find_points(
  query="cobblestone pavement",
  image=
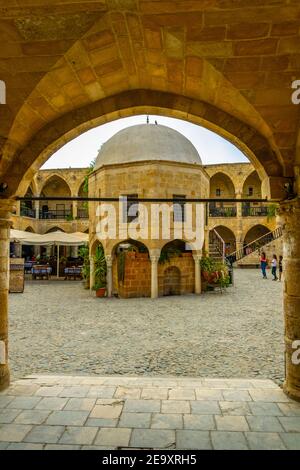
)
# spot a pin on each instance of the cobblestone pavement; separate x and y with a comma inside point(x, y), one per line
point(56, 412)
point(58, 328)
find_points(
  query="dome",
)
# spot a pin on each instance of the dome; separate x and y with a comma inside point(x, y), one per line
point(147, 142)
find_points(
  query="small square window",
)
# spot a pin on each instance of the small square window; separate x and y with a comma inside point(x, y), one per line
point(250, 191)
point(218, 192)
point(179, 208)
point(130, 208)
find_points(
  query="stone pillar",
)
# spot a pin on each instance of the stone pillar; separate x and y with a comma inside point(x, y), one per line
point(290, 217)
point(92, 273)
point(109, 278)
point(206, 241)
point(239, 205)
point(197, 257)
point(74, 251)
point(6, 207)
point(18, 208)
point(37, 209)
point(74, 209)
point(154, 275)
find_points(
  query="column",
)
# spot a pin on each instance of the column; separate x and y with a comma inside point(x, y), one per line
point(239, 208)
point(92, 273)
point(290, 217)
point(74, 209)
point(6, 207)
point(197, 257)
point(154, 275)
point(109, 279)
point(37, 209)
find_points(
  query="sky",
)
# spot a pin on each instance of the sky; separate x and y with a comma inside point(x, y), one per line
point(81, 151)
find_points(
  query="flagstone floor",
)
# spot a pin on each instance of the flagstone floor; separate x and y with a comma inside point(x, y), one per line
point(114, 412)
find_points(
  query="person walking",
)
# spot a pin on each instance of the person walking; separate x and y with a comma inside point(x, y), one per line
point(280, 268)
point(274, 268)
point(263, 264)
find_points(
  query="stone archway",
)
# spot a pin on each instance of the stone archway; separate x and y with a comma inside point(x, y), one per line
point(172, 281)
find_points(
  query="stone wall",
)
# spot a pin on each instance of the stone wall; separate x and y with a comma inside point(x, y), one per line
point(137, 276)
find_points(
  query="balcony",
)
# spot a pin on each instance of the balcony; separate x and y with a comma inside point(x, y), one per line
point(254, 211)
point(65, 214)
point(222, 211)
point(27, 212)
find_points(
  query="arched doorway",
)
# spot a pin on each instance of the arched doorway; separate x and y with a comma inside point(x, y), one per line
point(254, 233)
point(252, 190)
point(51, 209)
point(221, 186)
point(227, 236)
point(172, 281)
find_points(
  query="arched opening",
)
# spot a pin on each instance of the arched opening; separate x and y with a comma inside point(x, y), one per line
point(176, 270)
point(27, 207)
point(254, 233)
point(228, 238)
point(252, 190)
point(53, 209)
point(131, 269)
point(172, 281)
point(221, 186)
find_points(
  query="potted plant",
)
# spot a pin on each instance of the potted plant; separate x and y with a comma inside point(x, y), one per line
point(214, 272)
point(84, 254)
point(100, 272)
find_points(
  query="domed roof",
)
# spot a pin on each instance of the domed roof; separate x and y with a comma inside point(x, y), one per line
point(147, 142)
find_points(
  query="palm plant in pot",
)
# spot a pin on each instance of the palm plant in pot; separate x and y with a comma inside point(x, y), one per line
point(100, 272)
point(84, 254)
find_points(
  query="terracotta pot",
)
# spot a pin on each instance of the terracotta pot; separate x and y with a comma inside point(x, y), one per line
point(101, 292)
point(210, 277)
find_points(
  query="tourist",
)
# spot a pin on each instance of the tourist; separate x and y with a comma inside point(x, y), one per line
point(274, 268)
point(280, 267)
point(263, 264)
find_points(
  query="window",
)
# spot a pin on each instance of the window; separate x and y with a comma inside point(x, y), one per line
point(250, 191)
point(130, 208)
point(179, 208)
point(218, 192)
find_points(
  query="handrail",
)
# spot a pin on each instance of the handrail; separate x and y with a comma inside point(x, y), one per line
point(258, 243)
point(221, 242)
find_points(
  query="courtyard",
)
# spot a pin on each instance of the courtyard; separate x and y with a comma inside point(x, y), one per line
point(57, 327)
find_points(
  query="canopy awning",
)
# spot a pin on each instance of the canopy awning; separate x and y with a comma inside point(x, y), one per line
point(48, 239)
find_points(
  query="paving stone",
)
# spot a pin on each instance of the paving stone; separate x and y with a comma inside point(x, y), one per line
point(195, 440)
point(80, 404)
point(24, 446)
point(290, 409)
point(135, 420)
point(264, 409)
point(115, 437)
point(173, 406)
point(68, 418)
point(215, 383)
point(78, 435)
point(155, 393)
point(204, 407)
point(128, 392)
point(101, 392)
point(241, 384)
point(14, 432)
point(226, 440)
point(24, 390)
point(24, 403)
point(264, 441)
point(107, 409)
point(199, 422)
point(7, 416)
point(208, 394)
point(51, 403)
point(291, 440)
point(166, 421)
point(264, 423)
point(62, 447)
point(102, 422)
point(143, 406)
point(5, 400)
point(231, 423)
point(264, 383)
point(237, 408)
point(97, 448)
point(3, 445)
point(152, 438)
point(291, 423)
point(182, 394)
point(32, 417)
point(49, 391)
point(236, 395)
point(269, 396)
point(77, 391)
point(47, 434)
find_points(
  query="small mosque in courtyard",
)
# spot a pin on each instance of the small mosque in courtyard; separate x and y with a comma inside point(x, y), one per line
point(147, 251)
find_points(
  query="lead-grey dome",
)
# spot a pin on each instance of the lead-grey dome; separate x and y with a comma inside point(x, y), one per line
point(147, 142)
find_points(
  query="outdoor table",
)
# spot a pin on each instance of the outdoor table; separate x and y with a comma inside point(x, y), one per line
point(41, 271)
point(73, 272)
